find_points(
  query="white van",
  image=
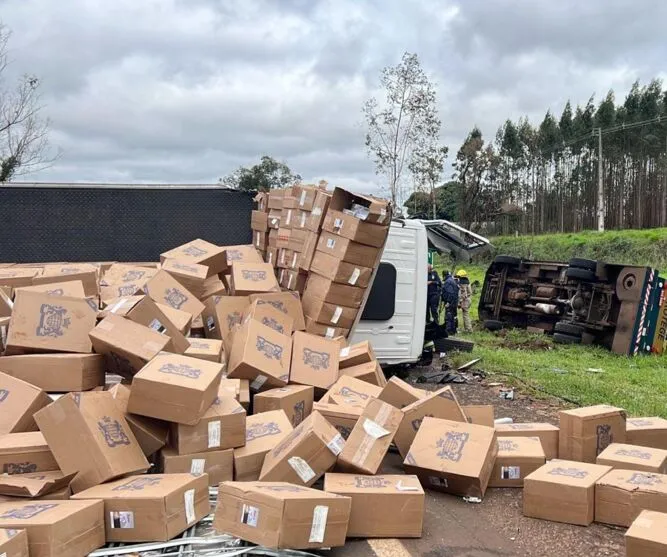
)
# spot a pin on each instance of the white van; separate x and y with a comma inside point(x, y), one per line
point(394, 317)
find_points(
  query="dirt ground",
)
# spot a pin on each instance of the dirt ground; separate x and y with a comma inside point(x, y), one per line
point(496, 527)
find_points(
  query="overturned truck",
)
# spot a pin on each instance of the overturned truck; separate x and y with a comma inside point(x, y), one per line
point(620, 307)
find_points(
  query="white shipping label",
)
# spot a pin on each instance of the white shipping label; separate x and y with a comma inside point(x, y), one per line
point(330, 332)
point(401, 487)
point(258, 382)
point(197, 466)
point(120, 519)
point(282, 256)
point(274, 221)
point(301, 467)
point(510, 472)
point(189, 500)
point(303, 219)
point(257, 243)
point(302, 199)
point(118, 305)
point(270, 258)
point(3, 555)
point(375, 430)
point(338, 223)
point(383, 212)
point(345, 352)
point(331, 243)
point(294, 259)
point(336, 315)
point(157, 326)
point(337, 444)
point(438, 482)
point(354, 277)
point(250, 515)
point(320, 513)
point(289, 217)
point(317, 211)
point(214, 429)
point(289, 282)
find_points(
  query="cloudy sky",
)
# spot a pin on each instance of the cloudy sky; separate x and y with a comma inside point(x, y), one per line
point(188, 90)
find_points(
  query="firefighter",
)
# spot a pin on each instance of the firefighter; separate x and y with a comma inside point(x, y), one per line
point(465, 298)
point(433, 295)
point(450, 299)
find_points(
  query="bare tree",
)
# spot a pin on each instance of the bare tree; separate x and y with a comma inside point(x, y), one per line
point(24, 145)
point(427, 165)
point(407, 117)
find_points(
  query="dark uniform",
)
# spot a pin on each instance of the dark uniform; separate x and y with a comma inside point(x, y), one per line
point(433, 297)
point(450, 297)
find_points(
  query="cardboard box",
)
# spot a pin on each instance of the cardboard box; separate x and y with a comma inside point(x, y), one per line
point(262, 433)
point(153, 508)
point(300, 220)
point(127, 346)
point(356, 354)
point(205, 349)
point(239, 389)
point(57, 528)
point(295, 400)
point(285, 302)
point(119, 306)
point(200, 252)
point(259, 220)
point(191, 275)
point(547, 433)
point(438, 404)
point(147, 313)
point(621, 495)
point(217, 465)
point(284, 233)
point(35, 486)
point(262, 200)
point(221, 315)
point(346, 250)
point(338, 294)
point(366, 208)
point(71, 289)
point(398, 393)
point(17, 277)
point(260, 355)
point(320, 206)
point(305, 196)
point(352, 228)
point(213, 286)
point(308, 251)
point(260, 240)
point(349, 391)
point(280, 515)
point(517, 458)
point(245, 254)
point(328, 314)
point(647, 432)
point(563, 491)
point(175, 388)
point(370, 372)
point(252, 278)
point(18, 402)
point(165, 289)
point(221, 427)
point(342, 417)
point(370, 439)
point(85, 272)
point(276, 199)
point(314, 360)
point(271, 256)
point(480, 414)
point(586, 432)
point(43, 323)
point(67, 372)
point(453, 457)
point(88, 434)
point(633, 457)
point(6, 304)
point(270, 316)
point(303, 456)
point(151, 434)
point(286, 217)
point(326, 331)
point(297, 242)
point(121, 281)
point(274, 218)
point(647, 537)
point(13, 543)
point(293, 280)
point(23, 453)
point(375, 502)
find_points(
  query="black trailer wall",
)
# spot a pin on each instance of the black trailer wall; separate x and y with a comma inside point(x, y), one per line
point(109, 223)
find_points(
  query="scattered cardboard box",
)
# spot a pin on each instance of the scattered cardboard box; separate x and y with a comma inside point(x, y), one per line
point(181, 319)
point(18, 402)
point(296, 401)
point(175, 388)
point(633, 457)
point(305, 196)
point(23, 453)
point(200, 252)
point(370, 372)
point(365, 208)
point(217, 465)
point(647, 432)
point(262, 433)
point(221, 315)
point(147, 313)
point(85, 273)
point(647, 537)
point(517, 458)
point(67, 372)
point(87, 433)
point(356, 354)
point(342, 417)
point(438, 404)
point(71, 289)
point(353, 228)
point(322, 330)
point(320, 206)
point(328, 314)
point(13, 543)
point(349, 391)
point(387, 506)
point(453, 457)
point(213, 286)
point(369, 441)
point(43, 323)
point(314, 360)
point(339, 294)
point(252, 278)
point(398, 393)
point(165, 289)
point(238, 389)
point(57, 528)
point(205, 349)
point(270, 316)
point(586, 432)
point(547, 433)
point(346, 250)
point(150, 508)
point(119, 306)
point(303, 456)
point(340, 271)
point(35, 485)
point(563, 491)
point(285, 302)
point(191, 275)
point(281, 515)
point(482, 414)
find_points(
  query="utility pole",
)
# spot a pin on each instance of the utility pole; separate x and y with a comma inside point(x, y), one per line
point(600, 183)
point(433, 199)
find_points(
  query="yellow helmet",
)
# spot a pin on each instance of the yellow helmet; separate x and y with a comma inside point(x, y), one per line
point(461, 273)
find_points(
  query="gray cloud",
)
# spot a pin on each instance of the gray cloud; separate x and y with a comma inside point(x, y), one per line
point(185, 91)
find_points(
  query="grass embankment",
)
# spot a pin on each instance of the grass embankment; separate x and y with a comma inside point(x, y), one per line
point(581, 374)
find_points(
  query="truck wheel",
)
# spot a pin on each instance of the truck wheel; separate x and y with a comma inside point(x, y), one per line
point(580, 263)
point(580, 274)
point(507, 260)
point(560, 338)
point(571, 329)
point(449, 344)
point(493, 325)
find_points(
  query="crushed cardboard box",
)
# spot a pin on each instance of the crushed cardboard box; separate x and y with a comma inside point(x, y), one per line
point(35, 485)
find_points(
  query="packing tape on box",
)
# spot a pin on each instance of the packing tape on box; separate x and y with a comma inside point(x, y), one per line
point(294, 260)
point(317, 211)
point(354, 277)
point(197, 466)
point(336, 315)
point(374, 430)
point(189, 502)
point(303, 219)
point(214, 434)
point(345, 352)
point(337, 444)
point(319, 526)
point(302, 468)
point(331, 332)
point(289, 217)
point(302, 199)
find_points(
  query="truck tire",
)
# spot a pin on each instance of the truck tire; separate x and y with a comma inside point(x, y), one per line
point(560, 338)
point(570, 329)
point(580, 263)
point(493, 325)
point(580, 274)
point(507, 260)
point(449, 344)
